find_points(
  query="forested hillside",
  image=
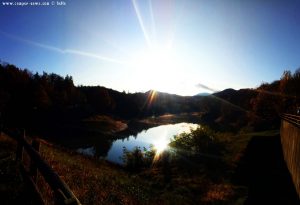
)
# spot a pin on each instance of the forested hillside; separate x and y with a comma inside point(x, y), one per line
point(28, 100)
point(264, 104)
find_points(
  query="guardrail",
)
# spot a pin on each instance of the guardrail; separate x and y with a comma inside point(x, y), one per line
point(290, 141)
point(62, 193)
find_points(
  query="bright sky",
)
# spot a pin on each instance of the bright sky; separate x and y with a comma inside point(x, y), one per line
point(179, 47)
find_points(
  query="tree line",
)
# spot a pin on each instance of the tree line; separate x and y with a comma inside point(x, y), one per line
point(27, 99)
point(261, 107)
point(31, 99)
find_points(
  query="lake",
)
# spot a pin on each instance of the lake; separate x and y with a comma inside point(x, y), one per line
point(158, 136)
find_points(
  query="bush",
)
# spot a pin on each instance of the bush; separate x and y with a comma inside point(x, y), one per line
point(200, 141)
point(137, 159)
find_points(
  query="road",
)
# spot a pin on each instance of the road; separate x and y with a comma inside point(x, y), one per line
point(264, 172)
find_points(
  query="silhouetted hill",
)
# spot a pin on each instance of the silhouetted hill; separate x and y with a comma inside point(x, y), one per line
point(28, 99)
point(33, 100)
point(241, 98)
point(226, 92)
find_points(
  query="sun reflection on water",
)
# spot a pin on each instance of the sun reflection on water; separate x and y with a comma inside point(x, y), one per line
point(160, 146)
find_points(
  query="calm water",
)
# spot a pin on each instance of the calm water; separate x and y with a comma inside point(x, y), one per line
point(154, 136)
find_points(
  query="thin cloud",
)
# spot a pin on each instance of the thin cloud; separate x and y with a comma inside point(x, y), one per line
point(92, 55)
point(62, 51)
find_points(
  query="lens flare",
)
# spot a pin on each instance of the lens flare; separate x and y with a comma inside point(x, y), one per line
point(160, 146)
point(150, 98)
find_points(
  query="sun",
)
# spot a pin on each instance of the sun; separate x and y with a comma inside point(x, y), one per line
point(159, 66)
point(157, 58)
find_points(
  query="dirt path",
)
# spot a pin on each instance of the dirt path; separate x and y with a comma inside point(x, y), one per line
point(264, 172)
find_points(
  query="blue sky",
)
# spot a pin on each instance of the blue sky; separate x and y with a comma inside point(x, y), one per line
point(171, 46)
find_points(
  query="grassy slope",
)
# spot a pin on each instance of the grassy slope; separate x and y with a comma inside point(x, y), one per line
point(96, 182)
point(99, 182)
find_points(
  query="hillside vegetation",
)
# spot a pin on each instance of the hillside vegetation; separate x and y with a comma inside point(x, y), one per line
point(35, 100)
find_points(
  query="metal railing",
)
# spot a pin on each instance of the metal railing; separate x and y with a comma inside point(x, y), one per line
point(62, 193)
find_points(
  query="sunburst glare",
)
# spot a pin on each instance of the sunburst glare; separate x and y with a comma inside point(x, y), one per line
point(158, 58)
point(157, 65)
point(160, 146)
point(151, 97)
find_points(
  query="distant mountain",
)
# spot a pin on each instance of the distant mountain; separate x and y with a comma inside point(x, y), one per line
point(203, 94)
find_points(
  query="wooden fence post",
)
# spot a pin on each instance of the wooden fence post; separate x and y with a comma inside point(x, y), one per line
point(33, 167)
point(59, 197)
point(1, 124)
point(19, 155)
point(62, 193)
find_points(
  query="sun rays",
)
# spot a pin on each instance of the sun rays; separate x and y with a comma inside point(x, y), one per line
point(150, 99)
point(160, 56)
point(141, 22)
point(151, 96)
point(148, 58)
point(151, 56)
